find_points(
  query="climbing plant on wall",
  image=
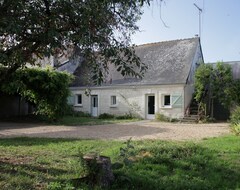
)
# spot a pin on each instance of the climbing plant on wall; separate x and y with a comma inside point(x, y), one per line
point(46, 88)
point(214, 82)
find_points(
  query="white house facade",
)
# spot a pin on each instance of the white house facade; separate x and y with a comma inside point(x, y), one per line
point(166, 88)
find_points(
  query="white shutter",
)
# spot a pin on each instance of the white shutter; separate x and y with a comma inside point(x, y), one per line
point(71, 100)
point(177, 100)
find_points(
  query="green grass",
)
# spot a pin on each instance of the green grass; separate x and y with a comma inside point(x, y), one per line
point(70, 120)
point(40, 163)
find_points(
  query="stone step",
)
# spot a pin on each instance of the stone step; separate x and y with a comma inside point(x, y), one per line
point(190, 119)
point(195, 116)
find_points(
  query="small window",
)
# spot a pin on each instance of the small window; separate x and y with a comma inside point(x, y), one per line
point(113, 101)
point(79, 99)
point(167, 100)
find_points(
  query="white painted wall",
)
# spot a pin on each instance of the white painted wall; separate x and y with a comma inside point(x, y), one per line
point(131, 99)
point(188, 91)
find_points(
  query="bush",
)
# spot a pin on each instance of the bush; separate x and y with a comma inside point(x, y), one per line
point(236, 129)
point(125, 116)
point(235, 120)
point(69, 111)
point(235, 116)
point(106, 116)
point(206, 119)
point(161, 117)
point(46, 88)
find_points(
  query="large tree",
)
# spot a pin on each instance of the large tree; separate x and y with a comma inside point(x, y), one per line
point(214, 83)
point(33, 29)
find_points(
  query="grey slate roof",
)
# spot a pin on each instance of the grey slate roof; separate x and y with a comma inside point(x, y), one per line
point(70, 66)
point(235, 68)
point(168, 62)
point(235, 65)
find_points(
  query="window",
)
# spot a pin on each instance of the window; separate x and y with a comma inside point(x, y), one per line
point(113, 101)
point(78, 99)
point(166, 100)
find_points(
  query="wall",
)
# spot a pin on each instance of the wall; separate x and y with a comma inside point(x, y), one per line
point(13, 106)
point(132, 99)
point(188, 91)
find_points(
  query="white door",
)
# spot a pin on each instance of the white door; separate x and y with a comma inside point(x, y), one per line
point(150, 99)
point(94, 105)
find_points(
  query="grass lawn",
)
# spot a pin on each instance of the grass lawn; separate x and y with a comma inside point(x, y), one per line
point(70, 120)
point(39, 163)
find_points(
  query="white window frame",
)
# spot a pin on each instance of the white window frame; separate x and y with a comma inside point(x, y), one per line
point(163, 101)
point(112, 101)
point(77, 98)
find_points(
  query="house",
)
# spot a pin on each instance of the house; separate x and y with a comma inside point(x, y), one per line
point(166, 88)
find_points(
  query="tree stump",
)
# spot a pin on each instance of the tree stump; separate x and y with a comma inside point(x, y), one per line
point(100, 170)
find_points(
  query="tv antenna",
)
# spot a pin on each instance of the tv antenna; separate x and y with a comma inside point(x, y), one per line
point(200, 11)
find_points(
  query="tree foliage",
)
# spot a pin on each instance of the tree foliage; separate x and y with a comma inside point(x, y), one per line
point(202, 81)
point(46, 88)
point(234, 92)
point(33, 29)
point(214, 82)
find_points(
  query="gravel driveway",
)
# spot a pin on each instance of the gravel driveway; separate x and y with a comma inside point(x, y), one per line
point(137, 130)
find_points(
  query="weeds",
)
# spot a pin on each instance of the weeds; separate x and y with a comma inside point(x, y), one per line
point(38, 163)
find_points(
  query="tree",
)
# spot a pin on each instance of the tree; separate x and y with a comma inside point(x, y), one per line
point(46, 88)
point(33, 29)
point(234, 92)
point(214, 82)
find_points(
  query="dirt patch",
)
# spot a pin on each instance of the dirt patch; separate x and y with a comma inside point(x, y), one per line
point(135, 130)
point(19, 160)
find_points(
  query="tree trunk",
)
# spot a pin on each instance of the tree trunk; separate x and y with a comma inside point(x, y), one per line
point(100, 171)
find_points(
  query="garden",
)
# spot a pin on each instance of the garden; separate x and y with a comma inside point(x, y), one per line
point(40, 163)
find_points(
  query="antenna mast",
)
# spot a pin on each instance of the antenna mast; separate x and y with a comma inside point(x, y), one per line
point(200, 11)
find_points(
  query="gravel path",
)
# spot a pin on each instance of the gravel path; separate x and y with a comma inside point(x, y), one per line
point(137, 130)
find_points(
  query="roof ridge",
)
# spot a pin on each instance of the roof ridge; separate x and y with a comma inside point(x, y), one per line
point(224, 62)
point(166, 41)
point(231, 61)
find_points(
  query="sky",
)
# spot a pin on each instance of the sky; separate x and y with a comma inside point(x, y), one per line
point(220, 26)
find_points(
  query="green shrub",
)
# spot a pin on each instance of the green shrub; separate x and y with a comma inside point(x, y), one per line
point(69, 111)
point(236, 129)
point(54, 186)
point(81, 114)
point(235, 116)
point(206, 119)
point(47, 89)
point(235, 120)
point(161, 117)
point(106, 116)
point(125, 116)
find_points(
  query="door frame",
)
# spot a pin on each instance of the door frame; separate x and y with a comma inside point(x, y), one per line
point(147, 115)
point(94, 110)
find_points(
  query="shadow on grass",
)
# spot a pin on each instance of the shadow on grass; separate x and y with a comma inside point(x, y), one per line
point(156, 165)
point(179, 167)
point(30, 141)
point(27, 176)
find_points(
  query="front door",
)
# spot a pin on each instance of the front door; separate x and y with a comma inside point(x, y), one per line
point(94, 105)
point(150, 107)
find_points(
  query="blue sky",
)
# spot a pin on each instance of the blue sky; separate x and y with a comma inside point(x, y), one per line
point(220, 26)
